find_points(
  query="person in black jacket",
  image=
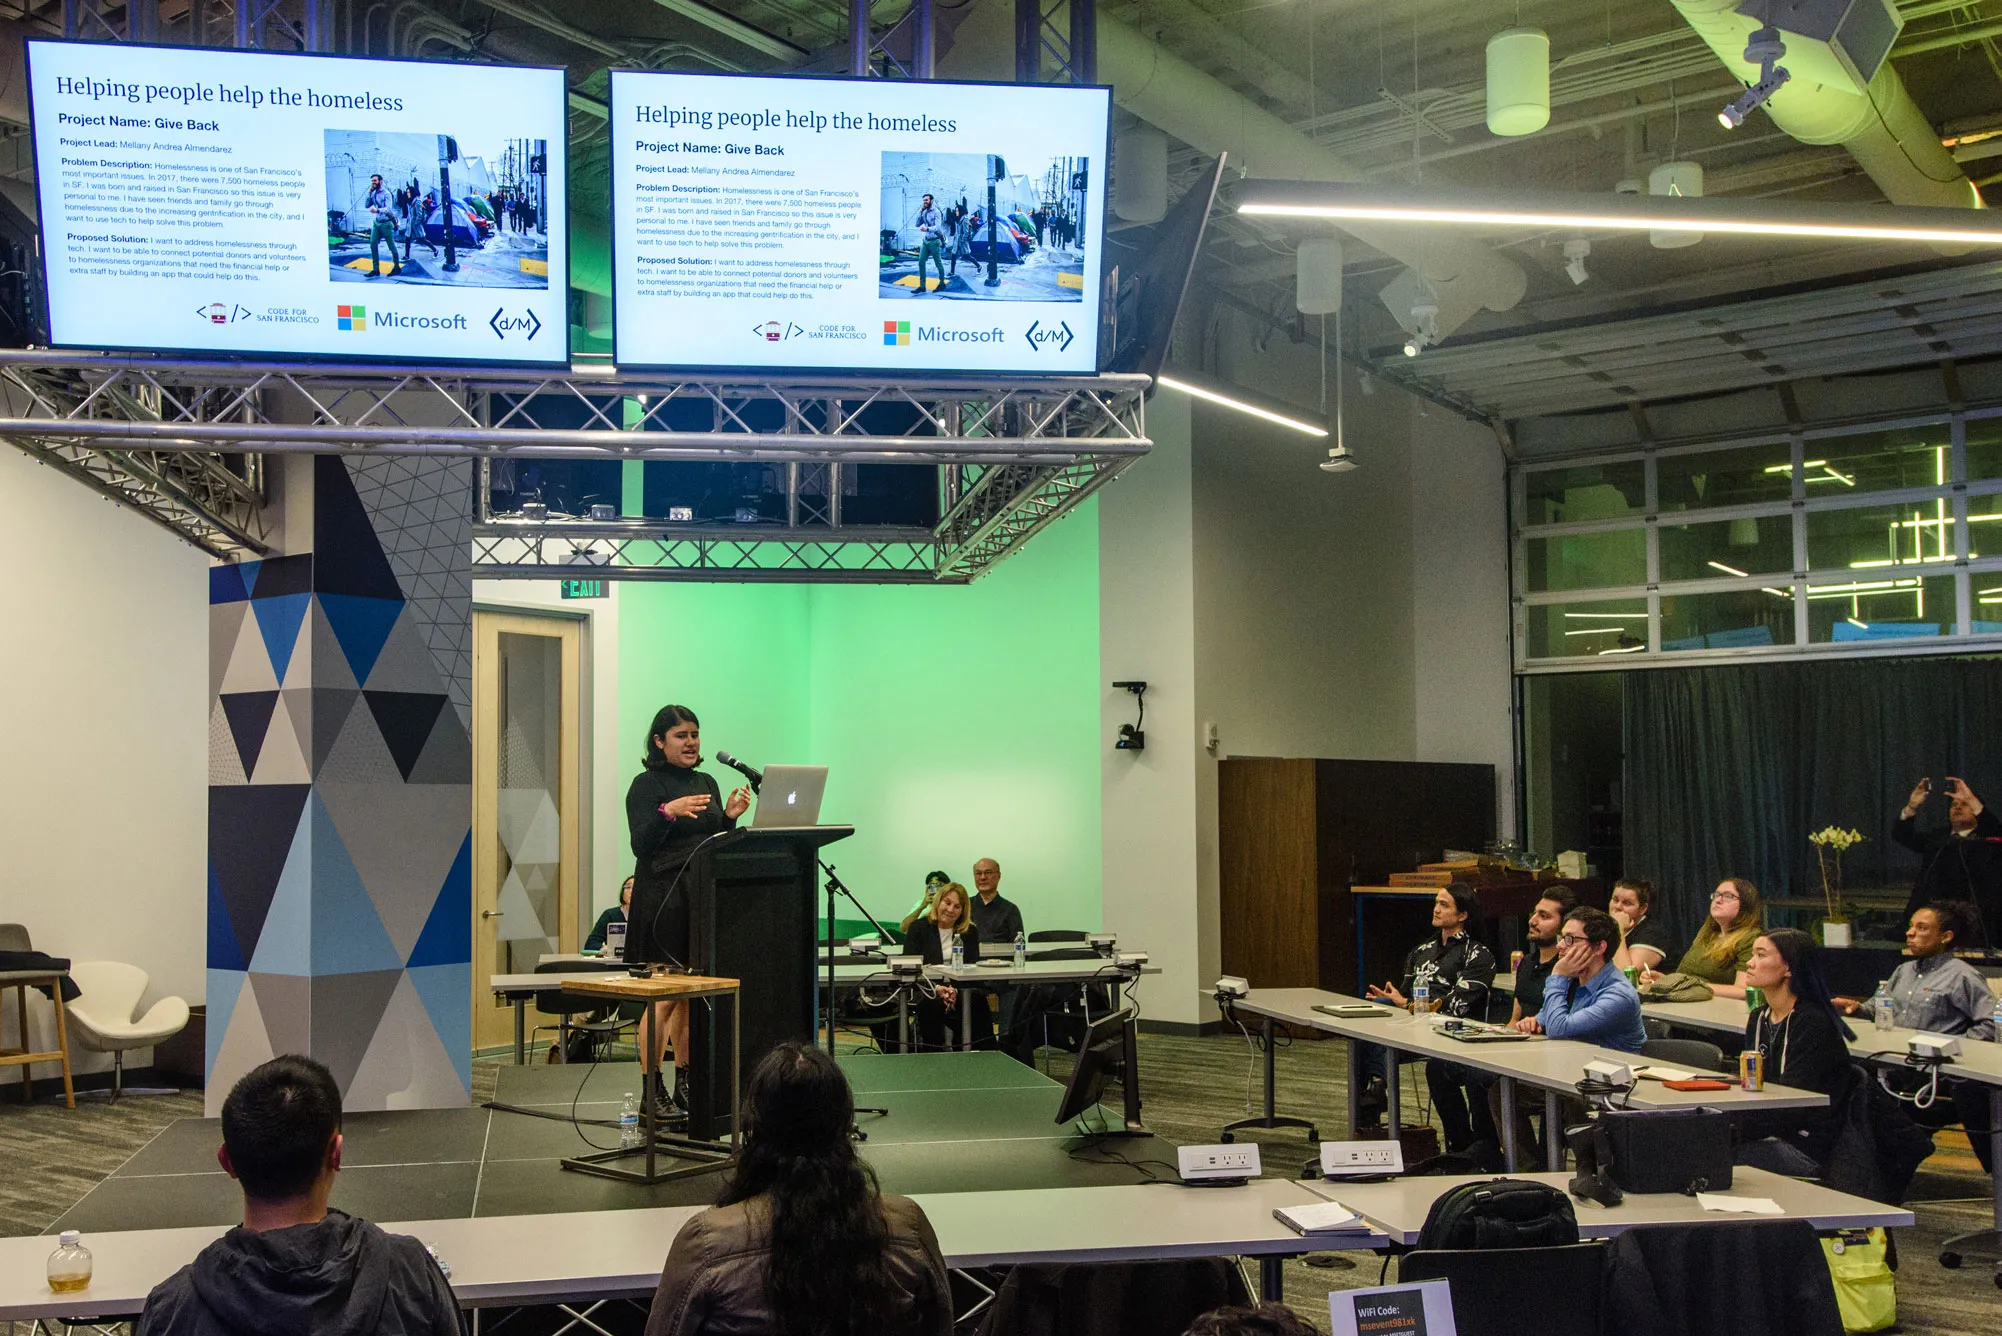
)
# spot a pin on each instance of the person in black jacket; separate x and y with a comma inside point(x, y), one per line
point(1963, 861)
point(294, 1265)
point(672, 810)
point(931, 937)
point(1804, 1042)
point(1457, 970)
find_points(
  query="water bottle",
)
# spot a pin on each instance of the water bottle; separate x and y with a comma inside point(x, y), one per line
point(1421, 998)
point(69, 1264)
point(629, 1124)
point(1021, 950)
point(958, 951)
point(1996, 1017)
point(1881, 1013)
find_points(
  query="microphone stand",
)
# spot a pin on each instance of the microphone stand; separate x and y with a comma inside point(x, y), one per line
point(836, 886)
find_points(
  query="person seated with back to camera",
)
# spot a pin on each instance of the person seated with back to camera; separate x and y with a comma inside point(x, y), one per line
point(1588, 997)
point(1801, 1038)
point(1644, 941)
point(1939, 993)
point(932, 938)
point(295, 1265)
point(1723, 946)
point(1263, 1319)
point(802, 1241)
point(1457, 972)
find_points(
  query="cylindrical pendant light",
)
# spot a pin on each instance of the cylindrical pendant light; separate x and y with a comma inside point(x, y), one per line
point(1675, 178)
point(1140, 175)
point(1518, 81)
point(1318, 276)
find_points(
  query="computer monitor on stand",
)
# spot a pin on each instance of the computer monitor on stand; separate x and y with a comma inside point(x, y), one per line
point(1110, 1051)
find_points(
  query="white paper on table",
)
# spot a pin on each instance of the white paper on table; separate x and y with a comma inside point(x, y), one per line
point(1717, 1201)
point(1664, 1073)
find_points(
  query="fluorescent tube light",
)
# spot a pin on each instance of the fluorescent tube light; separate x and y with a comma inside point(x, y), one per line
point(1728, 570)
point(1630, 213)
point(1227, 400)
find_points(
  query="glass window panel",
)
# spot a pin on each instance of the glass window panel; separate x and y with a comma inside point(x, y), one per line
point(1985, 596)
point(1891, 607)
point(1744, 546)
point(1725, 477)
point(1585, 492)
point(1587, 560)
point(1879, 537)
point(1879, 461)
point(1733, 619)
point(1984, 526)
point(1984, 448)
point(1612, 626)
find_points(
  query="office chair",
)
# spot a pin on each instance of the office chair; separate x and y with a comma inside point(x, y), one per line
point(1697, 1053)
point(1477, 1275)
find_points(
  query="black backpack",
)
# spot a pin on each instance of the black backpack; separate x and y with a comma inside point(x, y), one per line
point(1500, 1213)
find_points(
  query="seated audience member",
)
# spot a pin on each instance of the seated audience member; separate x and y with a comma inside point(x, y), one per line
point(1644, 942)
point(1531, 976)
point(294, 1265)
point(934, 882)
point(802, 1242)
point(1588, 998)
point(1457, 972)
point(1959, 861)
point(616, 914)
point(1802, 1039)
point(1939, 993)
point(1265, 1319)
point(931, 937)
point(1723, 945)
point(1000, 922)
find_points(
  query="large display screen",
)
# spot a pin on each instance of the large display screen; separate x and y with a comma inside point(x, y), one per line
point(856, 224)
point(204, 201)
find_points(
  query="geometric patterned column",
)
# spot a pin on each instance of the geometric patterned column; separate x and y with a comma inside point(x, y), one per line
point(340, 789)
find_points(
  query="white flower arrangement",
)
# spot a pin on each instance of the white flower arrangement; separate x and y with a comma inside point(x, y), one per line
point(1830, 843)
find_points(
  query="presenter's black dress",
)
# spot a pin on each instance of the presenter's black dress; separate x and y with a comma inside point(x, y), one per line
point(657, 930)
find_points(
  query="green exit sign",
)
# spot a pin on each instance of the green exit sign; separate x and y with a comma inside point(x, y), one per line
point(585, 589)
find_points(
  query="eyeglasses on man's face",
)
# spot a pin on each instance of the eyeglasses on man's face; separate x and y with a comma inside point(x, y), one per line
point(1570, 939)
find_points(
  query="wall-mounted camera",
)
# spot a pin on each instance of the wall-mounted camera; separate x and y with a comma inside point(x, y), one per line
point(1131, 736)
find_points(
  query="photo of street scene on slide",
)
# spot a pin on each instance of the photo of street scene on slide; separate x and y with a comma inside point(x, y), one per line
point(944, 215)
point(437, 210)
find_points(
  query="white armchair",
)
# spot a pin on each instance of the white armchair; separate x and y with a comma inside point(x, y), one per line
point(101, 1018)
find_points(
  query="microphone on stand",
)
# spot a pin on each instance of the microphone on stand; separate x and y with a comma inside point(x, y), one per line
point(750, 772)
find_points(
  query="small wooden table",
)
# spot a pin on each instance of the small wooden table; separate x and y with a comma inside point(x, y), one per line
point(705, 1156)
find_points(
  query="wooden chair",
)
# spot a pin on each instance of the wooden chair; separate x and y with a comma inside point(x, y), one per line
point(14, 937)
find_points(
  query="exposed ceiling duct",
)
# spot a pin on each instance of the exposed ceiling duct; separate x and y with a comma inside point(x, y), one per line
point(1173, 95)
point(1881, 126)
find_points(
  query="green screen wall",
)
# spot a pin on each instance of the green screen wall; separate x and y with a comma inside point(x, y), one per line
point(956, 721)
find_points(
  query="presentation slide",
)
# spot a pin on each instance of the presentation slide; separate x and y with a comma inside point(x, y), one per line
point(856, 224)
point(207, 201)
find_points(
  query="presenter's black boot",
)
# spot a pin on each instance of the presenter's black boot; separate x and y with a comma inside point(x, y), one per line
point(666, 1113)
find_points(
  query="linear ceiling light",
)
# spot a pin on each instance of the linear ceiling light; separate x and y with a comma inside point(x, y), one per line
point(1226, 395)
point(1631, 213)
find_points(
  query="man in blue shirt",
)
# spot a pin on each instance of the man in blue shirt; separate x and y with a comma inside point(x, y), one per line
point(1588, 998)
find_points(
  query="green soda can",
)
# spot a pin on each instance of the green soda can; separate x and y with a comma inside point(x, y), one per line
point(1754, 998)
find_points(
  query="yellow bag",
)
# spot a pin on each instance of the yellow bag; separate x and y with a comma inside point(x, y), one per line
point(1866, 1289)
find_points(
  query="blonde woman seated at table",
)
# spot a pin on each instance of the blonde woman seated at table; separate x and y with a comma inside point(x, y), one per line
point(803, 1242)
point(1723, 946)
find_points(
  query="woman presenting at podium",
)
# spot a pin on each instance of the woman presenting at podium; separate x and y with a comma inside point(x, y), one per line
point(671, 809)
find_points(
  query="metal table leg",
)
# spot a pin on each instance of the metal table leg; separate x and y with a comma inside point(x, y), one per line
point(1272, 1279)
point(903, 1018)
point(1356, 1077)
point(1553, 1131)
point(965, 1017)
point(1391, 1093)
point(521, 1032)
point(1271, 1117)
point(1510, 1151)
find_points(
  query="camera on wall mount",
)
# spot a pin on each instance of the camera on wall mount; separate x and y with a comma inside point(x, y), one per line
point(1132, 737)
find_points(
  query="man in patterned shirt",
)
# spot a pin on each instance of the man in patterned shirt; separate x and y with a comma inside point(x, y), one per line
point(1457, 972)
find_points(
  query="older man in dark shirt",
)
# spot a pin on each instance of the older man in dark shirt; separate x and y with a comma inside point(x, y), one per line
point(1963, 861)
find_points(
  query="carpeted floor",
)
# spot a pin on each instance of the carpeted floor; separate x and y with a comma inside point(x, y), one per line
point(52, 1157)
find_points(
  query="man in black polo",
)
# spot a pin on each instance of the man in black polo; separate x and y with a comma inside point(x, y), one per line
point(993, 913)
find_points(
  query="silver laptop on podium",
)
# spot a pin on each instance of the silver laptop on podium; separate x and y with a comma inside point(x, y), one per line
point(790, 796)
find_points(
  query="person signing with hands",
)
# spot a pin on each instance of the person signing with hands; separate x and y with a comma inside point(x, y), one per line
point(1962, 861)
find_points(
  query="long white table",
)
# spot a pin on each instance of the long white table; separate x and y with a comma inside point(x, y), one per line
point(1553, 1066)
point(1399, 1207)
point(597, 1255)
point(1980, 1061)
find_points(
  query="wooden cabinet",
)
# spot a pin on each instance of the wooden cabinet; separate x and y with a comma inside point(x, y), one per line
point(1293, 834)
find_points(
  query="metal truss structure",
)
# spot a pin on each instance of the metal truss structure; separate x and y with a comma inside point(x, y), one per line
point(177, 439)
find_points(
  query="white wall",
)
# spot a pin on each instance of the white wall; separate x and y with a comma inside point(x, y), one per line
point(104, 799)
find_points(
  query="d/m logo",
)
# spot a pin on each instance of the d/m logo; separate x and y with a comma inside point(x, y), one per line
point(351, 317)
point(896, 333)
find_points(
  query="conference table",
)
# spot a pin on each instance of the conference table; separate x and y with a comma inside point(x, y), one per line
point(1979, 1061)
point(1553, 1066)
point(589, 1257)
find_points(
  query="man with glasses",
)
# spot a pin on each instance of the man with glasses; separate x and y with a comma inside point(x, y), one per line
point(1588, 998)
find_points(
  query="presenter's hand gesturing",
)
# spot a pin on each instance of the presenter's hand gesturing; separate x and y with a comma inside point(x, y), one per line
point(738, 803)
point(693, 804)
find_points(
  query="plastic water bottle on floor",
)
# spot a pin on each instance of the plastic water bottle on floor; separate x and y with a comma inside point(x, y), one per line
point(958, 951)
point(629, 1124)
point(1880, 1007)
point(1021, 950)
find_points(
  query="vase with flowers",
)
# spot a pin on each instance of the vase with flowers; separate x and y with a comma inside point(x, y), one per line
point(1830, 843)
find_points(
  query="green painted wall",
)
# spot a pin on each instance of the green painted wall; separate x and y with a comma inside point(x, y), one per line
point(955, 722)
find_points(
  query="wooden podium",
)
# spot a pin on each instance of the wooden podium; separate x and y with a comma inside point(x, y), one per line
point(753, 916)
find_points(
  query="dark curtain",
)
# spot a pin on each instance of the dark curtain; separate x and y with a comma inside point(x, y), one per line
point(1728, 769)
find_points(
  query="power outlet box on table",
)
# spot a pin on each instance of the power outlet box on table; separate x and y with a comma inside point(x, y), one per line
point(1211, 1164)
point(1349, 1159)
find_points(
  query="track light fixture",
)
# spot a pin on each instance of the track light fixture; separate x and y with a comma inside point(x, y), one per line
point(1764, 49)
point(1339, 460)
point(1424, 328)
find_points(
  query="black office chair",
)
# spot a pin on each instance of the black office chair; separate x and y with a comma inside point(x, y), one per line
point(1697, 1053)
point(1059, 935)
point(1060, 1010)
point(564, 1007)
point(1477, 1275)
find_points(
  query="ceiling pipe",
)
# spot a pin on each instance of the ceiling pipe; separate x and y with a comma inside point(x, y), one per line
point(1882, 127)
point(1173, 95)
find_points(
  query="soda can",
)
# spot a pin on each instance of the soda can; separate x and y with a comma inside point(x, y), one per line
point(1754, 998)
point(1633, 974)
point(1752, 1070)
point(1514, 961)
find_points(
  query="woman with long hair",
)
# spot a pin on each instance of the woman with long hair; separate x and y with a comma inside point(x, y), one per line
point(951, 916)
point(1723, 945)
point(1801, 1037)
point(672, 810)
point(802, 1242)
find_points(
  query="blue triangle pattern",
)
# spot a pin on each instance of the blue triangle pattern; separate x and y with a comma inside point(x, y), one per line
point(226, 584)
point(447, 938)
point(250, 569)
point(278, 620)
point(225, 952)
point(224, 987)
point(286, 944)
point(348, 936)
point(361, 625)
point(443, 989)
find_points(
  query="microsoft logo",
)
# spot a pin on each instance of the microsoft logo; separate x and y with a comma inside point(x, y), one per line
point(896, 333)
point(351, 317)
